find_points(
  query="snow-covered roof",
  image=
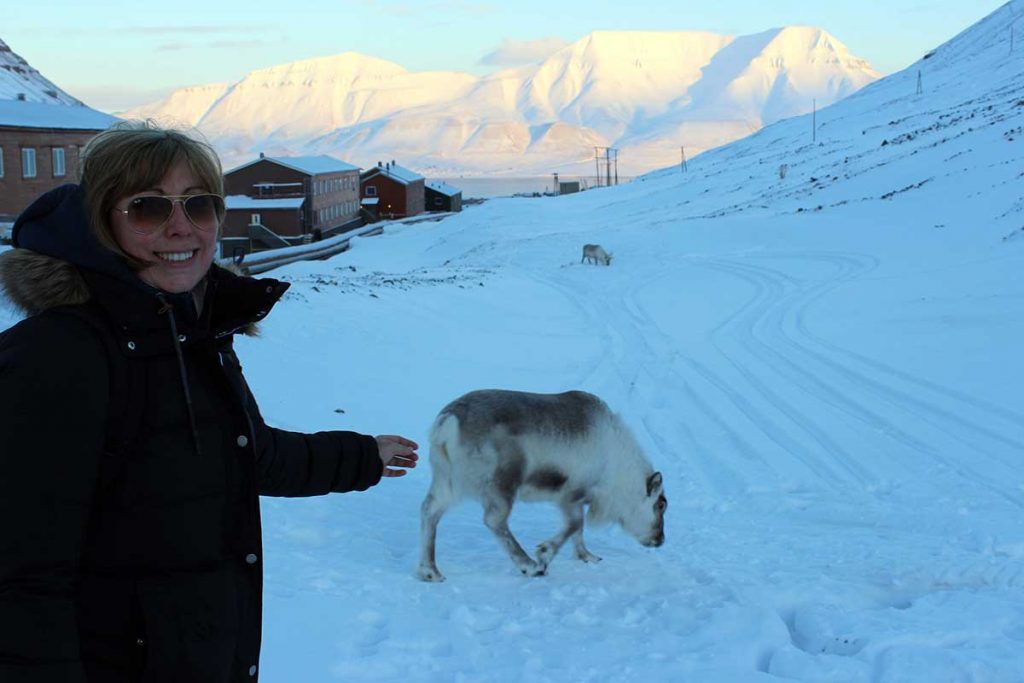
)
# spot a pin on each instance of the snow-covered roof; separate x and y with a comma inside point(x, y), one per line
point(444, 188)
point(63, 116)
point(370, 201)
point(313, 165)
point(393, 170)
point(242, 202)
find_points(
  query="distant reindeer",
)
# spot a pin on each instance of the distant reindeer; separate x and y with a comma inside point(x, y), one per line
point(499, 446)
point(593, 253)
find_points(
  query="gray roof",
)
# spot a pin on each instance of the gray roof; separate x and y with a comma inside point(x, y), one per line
point(241, 201)
point(315, 165)
point(399, 173)
point(60, 116)
point(444, 188)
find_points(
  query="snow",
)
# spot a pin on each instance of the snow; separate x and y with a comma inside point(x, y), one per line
point(312, 165)
point(826, 368)
point(39, 115)
point(644, 92)
point(243, 202)
point(18, 79)
point(29, 100)
point(444, 188)
point(400, 173)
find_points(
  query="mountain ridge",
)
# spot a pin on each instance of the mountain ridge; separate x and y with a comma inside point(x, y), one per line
point(645, 92)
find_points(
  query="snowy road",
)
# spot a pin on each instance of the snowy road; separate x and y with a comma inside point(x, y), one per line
point(844, 504)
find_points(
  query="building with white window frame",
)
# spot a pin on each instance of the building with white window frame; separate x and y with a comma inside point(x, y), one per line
point(39, 145)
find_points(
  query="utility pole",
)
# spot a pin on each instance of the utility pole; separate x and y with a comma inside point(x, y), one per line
point(920, 84)
point(604, 159)
point(682, 164)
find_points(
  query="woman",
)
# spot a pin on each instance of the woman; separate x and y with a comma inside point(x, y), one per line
point(133, 452)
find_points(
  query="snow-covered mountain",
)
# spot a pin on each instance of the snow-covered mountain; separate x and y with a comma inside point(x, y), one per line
point(20, 81)
point(27, 98)
point(645, 93)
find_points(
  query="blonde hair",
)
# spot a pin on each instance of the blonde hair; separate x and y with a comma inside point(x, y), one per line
point(132, 156)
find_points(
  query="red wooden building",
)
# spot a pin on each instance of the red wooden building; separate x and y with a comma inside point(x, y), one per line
point(39, 146)
point(399, 192)
point(279, 201)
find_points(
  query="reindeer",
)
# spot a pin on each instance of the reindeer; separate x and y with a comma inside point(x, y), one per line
point(593, 253)
point(499, 446)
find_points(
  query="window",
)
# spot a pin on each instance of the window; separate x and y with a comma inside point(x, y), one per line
point(28, 162)
point(58, 162)
point(371, 191)
point(1, 162)
point(255, 219)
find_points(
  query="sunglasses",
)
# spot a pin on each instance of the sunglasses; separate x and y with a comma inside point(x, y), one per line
point(148, 213)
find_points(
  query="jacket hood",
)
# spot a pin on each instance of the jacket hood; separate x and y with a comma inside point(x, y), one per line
point(52, 240)
point(57, 224)
point(57, 261)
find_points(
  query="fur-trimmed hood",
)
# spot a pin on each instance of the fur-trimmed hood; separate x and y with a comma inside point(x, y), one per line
point(34, 282)
point(57, 261)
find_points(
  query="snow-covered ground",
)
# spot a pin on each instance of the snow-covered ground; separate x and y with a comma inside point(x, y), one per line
point(827, 368)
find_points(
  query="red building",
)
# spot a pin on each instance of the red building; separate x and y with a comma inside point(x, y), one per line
point(39, 146)
point(440, 196)
point(280, 201)
point(399, 192)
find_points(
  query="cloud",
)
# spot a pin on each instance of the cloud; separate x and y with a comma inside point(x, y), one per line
point(403, 8)
point(517, 52)
point(129, 31)
point(192, 30)
point(214, 45)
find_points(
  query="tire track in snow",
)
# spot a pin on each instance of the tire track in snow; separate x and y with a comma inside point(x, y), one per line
point(627, 349)
point(938, 417)
point(850, 267)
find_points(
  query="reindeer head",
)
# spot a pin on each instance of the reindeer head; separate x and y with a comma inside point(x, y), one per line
point(645, 520)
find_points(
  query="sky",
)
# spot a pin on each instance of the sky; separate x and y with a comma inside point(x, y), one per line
point(133, 53)
point(825, 368)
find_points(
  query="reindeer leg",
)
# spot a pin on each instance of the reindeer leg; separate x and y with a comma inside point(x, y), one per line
point(496, 512)
point(581, 550)
point(573, 514)
point(434, 506)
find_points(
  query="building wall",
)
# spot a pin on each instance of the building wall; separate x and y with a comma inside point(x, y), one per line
point(17, 192)
point(397, 200)
point(284, 222)
point(438, 201)
point(415, 199)
point(332, 199)
point(335, 200)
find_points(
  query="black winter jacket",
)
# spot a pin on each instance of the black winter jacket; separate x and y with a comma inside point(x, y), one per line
point(139, 561)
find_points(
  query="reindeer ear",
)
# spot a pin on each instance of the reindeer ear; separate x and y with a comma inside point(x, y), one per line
point(654, 483)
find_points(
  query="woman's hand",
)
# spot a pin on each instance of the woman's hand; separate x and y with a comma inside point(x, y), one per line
point(397, 453)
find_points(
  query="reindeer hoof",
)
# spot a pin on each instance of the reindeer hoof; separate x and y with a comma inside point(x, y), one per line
point(533, 569)
point(430, 574)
